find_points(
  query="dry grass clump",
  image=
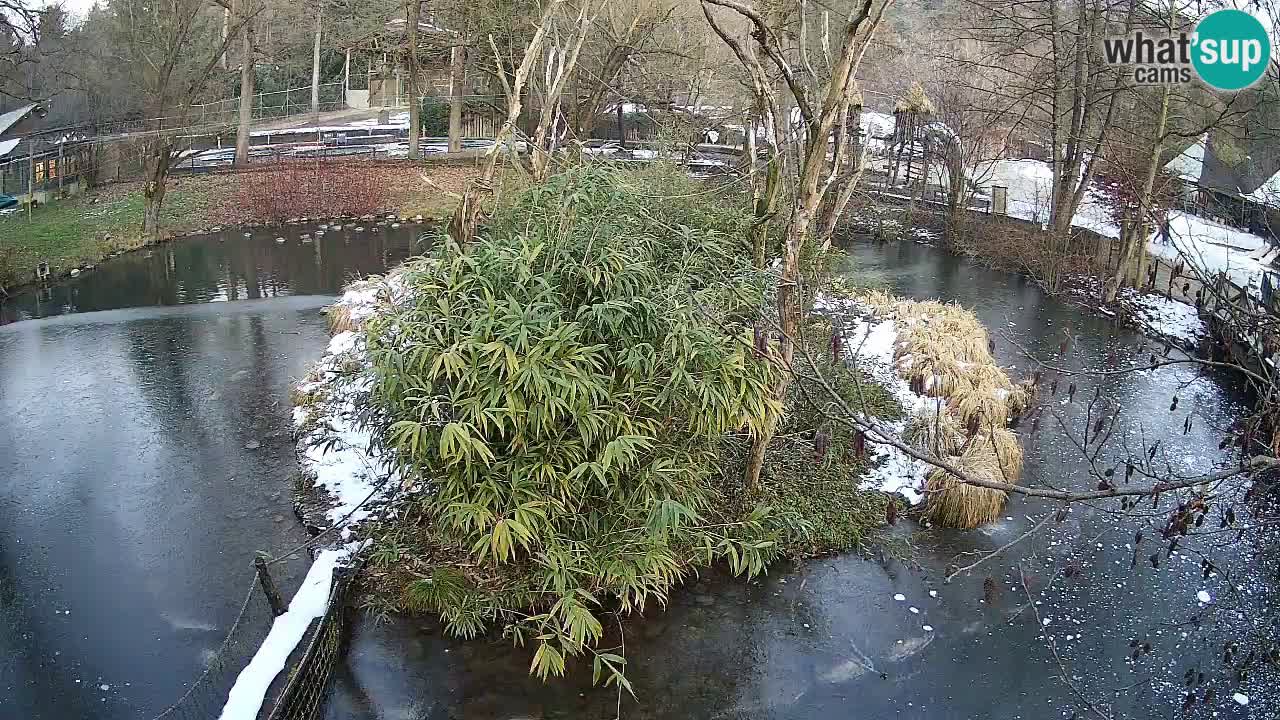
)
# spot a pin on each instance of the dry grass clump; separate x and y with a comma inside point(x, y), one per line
point(944, 351)
point(339, 319)
point(935, 430)
point(996, 456)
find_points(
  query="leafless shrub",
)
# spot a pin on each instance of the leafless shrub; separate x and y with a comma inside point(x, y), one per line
point(307, 188)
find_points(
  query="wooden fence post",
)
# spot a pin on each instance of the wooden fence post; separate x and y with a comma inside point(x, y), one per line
point(269, 587)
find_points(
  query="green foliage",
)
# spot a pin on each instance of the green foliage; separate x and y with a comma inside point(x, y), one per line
point(821, 490)
point(564, 384)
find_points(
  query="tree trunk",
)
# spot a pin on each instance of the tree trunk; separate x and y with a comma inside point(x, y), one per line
point(157, 171)
point(560, 66)
point(1133, 243)
point(413, 13)
point(457, 94)
point(246, 91)
point(766, 204)
point(315, 63)
point(226, 30)
point(466, 218)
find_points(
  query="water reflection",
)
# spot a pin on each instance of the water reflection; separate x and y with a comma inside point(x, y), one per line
point(226, 266)
point(146, 455)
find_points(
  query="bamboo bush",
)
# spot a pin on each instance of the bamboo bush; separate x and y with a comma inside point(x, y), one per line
point(562, 385)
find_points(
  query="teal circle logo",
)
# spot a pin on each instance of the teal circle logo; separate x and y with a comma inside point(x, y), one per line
point(1232, 50)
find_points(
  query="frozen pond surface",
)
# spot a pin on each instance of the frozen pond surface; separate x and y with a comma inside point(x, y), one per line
point(145, 456)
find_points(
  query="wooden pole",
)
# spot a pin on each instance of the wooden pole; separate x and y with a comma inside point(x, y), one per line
point(269, 587)
point(31, 175)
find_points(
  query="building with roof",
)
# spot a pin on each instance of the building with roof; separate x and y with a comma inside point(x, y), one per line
point(1243, 192)
point(38, 165)
point(381, 54)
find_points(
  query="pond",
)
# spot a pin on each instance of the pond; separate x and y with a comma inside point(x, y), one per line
point(145, 456)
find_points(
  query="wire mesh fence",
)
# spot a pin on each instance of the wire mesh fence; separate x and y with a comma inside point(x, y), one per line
point(206, 694)
point(304, 691)
point(271, 105)
point(304, 694)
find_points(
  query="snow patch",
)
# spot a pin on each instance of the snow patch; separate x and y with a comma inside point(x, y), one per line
point(1213, 248)
point(1030, 184)
point(1164, 317)
point(245, 699)
point(870, 344)
point(337, 446)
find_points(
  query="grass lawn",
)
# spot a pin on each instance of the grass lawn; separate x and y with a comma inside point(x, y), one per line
point(84, 229)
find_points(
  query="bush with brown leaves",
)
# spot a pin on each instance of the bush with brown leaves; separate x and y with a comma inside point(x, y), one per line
point(310, 188)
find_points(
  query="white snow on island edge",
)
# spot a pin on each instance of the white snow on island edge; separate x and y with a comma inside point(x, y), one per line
point(312, 599)
point(872, 341)
point(350, 470)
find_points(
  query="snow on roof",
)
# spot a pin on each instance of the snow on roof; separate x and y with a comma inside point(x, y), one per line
point(12, 117)
point(1268, 193)
point(1213, 248)
point(1189, 164)
point(8, 145)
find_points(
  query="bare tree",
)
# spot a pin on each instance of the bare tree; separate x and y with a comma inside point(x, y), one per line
point(166, 53)
point(821, 101)
point(19, 23)
point(1045, 59)
point(561, 61)
point(467, 216)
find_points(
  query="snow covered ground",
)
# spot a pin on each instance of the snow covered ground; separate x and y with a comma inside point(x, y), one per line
point(336, 449)
point(870, 342)
point(244, 702)
point(337, 445)
point(1213, 248)
point(1164, 317)
point(1156, 315)
point(1030, 184)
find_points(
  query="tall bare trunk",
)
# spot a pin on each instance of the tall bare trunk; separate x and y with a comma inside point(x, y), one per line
point(412, 14)
point(226, 30)
point(1133, 239)
point(466, 218)
point(457, 93)
point(560, 65)
point(315, 62)
point(156, 167)
point(246, 89)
